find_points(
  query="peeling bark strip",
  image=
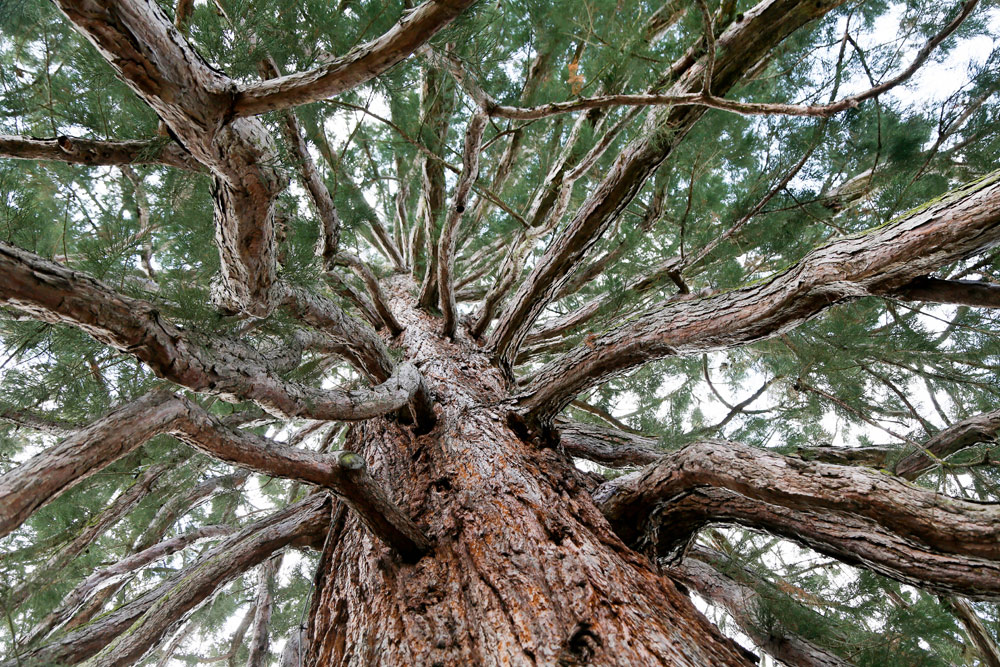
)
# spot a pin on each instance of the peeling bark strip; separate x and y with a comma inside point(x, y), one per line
point(741, 601)
point(879, 261)
point(33, 484)
point(739, 48)
point(365, 62)
point(128, 632)
point(53, 293)
point(79, 150)
point(856, 515)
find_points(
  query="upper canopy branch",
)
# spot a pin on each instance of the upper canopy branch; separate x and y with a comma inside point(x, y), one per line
point(702, 98)
point(360, 65)
point(879, 261)
point(857, 515)
point(740, 48)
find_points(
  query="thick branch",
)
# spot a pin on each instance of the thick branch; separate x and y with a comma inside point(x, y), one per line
point(966, 433)
point(33, 484)
point(607, 446)
point(108, 575)
point(854, 514)
point(94, 528)
point(960, 224)
point(362, 64)
point(54, 293)
point(79, 150)
point(963, 292)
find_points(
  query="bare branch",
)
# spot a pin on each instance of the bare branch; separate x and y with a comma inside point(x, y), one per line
point(365, 62)
point(966, 433)
point(79, 150)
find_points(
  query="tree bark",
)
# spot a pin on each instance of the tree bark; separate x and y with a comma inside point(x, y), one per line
point(856, 515)
point(524, 569)
point(956, 226)
point(122, 637)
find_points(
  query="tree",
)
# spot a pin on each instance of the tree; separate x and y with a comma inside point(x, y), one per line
point(520, 323)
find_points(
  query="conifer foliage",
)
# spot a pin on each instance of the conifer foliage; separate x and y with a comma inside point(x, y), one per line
point(499, 333)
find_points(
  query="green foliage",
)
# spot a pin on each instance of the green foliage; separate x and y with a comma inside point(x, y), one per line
point(894, 368)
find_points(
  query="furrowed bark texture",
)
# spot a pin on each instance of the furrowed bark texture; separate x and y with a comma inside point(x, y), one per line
point(880, 261)
point(524, 569)
point(856, 515)
point(739, 48)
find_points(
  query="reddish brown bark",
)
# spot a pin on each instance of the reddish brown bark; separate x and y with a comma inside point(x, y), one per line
point(524, 569)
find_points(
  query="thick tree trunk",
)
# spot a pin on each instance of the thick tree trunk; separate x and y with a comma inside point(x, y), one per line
point(524, 569)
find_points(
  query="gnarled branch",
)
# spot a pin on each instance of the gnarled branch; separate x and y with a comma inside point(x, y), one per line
point(857, 515)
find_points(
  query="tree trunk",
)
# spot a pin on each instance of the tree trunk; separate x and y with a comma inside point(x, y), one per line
point(524, 569)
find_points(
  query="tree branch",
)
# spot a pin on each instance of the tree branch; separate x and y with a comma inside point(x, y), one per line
point(54, 293)
point(741, 47)
point(973, 293)
point(853, 514)
point(958, 225)
point(42, 478)
point(448, 239)
point(740, 599)
point(79, 150)
point(362, 64)
point(127, 633)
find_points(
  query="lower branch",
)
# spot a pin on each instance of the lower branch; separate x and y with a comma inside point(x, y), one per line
point(42, 478)
point(607, 446)
point(857, 515)
point(123, 636)
point(742, 602)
